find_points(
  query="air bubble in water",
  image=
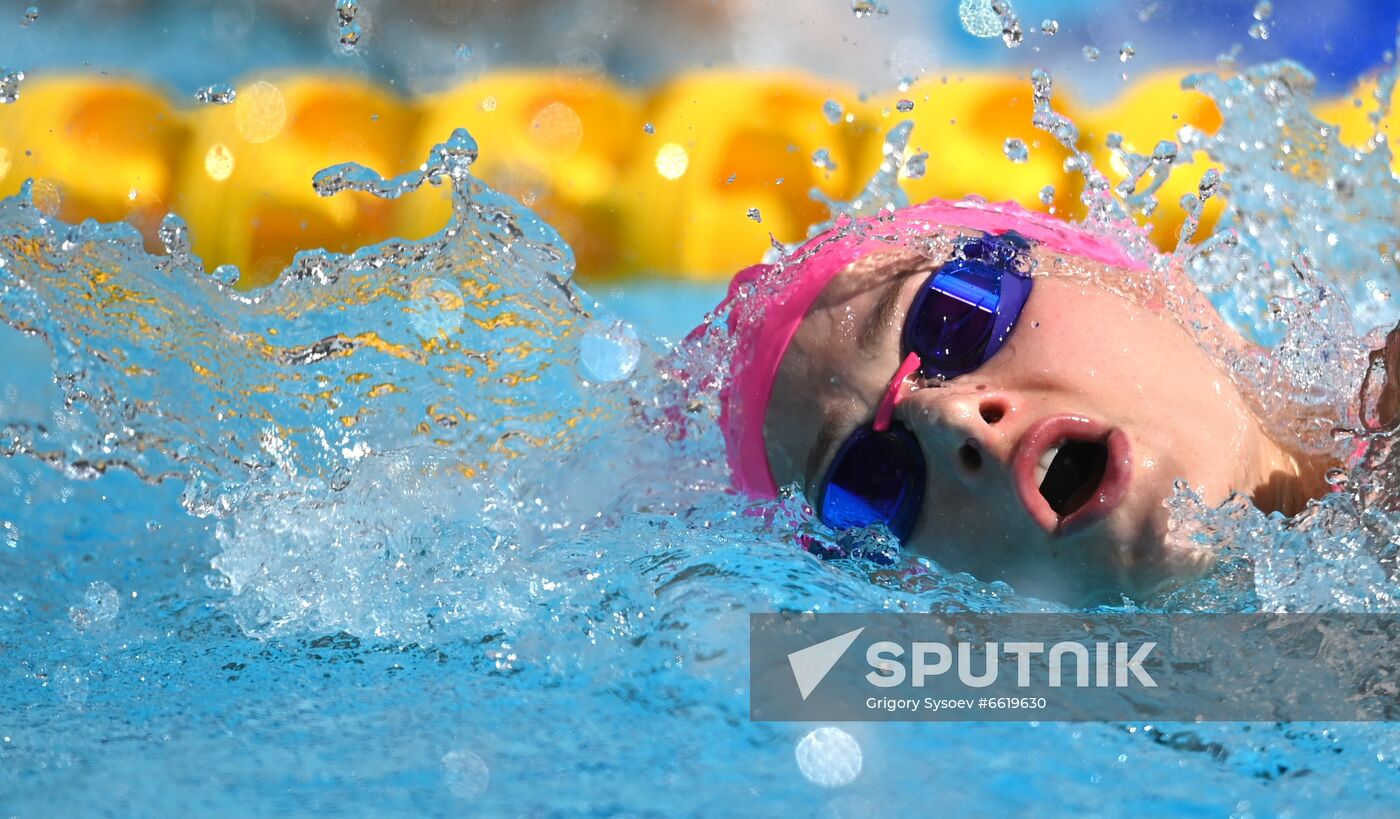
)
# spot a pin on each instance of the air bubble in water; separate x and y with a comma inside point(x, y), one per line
point(216, 94)
point(829, 757)
point(822, 159)
point(30, 15)
point(1259, 31)
point(465, 774)
point(755, 215)
point(1263, 10)
point(1047, 195)
point(1126, 52)
point(9, 85)
point(867, 8)
point(978, 18)
point(1015, 150)
point(100, 606)
point(1090, 53)
point(609, 350)
point(831, 109)
point(464, 52)
point(904, 106)
point(1049, 27)
point(649, 128)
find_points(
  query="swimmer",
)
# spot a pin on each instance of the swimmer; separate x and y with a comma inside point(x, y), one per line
point(1009, 394)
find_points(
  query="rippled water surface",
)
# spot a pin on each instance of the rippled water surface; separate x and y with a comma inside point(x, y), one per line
point(425, 528)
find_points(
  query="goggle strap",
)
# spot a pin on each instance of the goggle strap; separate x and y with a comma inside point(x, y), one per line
point(885, 412)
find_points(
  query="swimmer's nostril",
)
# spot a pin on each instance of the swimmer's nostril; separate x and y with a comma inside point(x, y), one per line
point(970, 457)
point(992, 411)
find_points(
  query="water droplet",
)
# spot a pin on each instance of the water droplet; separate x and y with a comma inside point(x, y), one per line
point(216, 94)
point(1210, 182)
point(350, 36)
point(916, 166)
point(1047, 195)
point(829, 757)
point(30, 15)
point(350, 31)
point(867, 8)
point(1010, 24)
point(1259, 31)
point(609, 351)
point(822, 159)
point(831, 109)
point(1015, 150)
point(1263, 10)
point(464, 52)
point(649, 128)
point(100, 606)
point(1049, 27)
point(465, 774)
point(1090, 53)
point(1126, 52)
point(978, 18)
point(755, 215)
point(9, 85)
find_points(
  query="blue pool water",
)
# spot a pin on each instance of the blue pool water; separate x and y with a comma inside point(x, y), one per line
point(423, 529)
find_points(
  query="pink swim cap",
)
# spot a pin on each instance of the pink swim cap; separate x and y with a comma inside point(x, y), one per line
point(766, 303)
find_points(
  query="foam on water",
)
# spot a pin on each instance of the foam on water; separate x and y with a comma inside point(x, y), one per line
point(441, 462)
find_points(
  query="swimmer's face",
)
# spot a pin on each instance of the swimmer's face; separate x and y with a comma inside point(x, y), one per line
point(1082, 366)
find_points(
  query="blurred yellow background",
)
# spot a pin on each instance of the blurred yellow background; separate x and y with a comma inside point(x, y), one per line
point(687, 179)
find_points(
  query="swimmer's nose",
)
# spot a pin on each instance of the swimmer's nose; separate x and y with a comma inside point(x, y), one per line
point(962, 427)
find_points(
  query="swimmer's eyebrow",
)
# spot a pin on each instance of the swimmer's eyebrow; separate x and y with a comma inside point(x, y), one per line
point(877, 324)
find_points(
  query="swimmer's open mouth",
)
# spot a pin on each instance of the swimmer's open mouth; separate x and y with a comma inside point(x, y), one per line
point(1071, 472)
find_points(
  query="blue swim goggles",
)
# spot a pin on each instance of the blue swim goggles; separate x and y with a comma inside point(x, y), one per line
point(961, 316)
